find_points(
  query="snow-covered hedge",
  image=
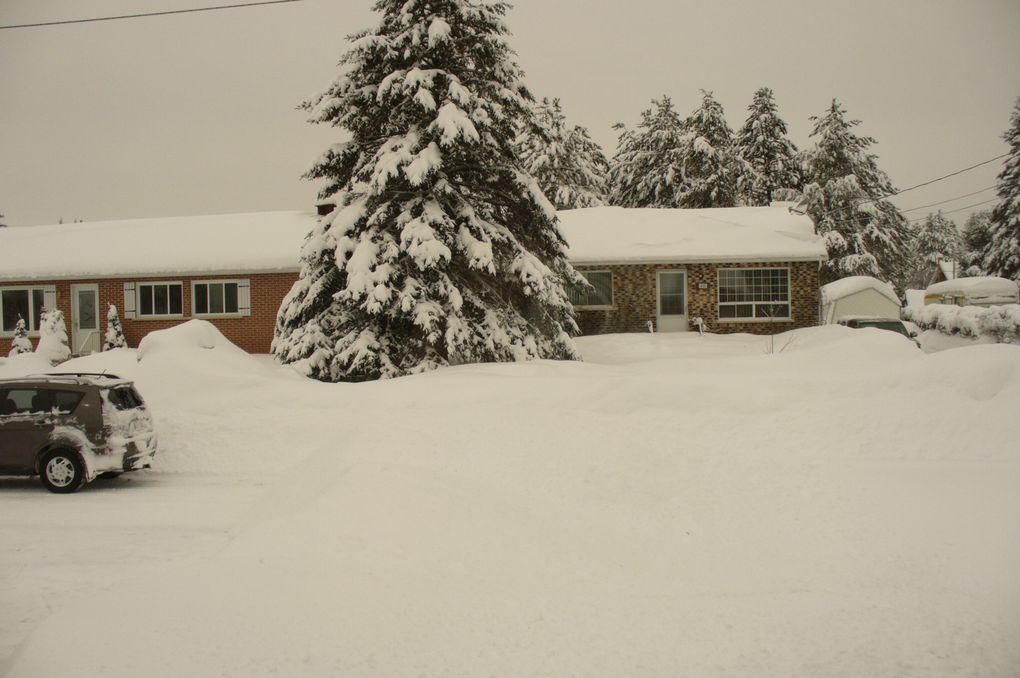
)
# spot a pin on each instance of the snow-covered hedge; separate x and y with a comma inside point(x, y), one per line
point(998, 323)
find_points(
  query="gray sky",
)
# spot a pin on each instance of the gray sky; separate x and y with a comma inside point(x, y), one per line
point(195, 113)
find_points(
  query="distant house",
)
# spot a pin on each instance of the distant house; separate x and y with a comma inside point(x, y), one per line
point(232, 270)
point(739, 269)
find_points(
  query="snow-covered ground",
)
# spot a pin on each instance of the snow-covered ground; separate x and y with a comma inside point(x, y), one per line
point(844, 505)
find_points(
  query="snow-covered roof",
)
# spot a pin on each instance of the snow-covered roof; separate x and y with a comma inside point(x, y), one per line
point(979, 287)
point(844, 287)
point(223, 243)
point(271, 241)
point(618, 235)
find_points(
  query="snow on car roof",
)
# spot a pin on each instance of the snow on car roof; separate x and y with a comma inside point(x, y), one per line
point(980, 286)
point(619, 235)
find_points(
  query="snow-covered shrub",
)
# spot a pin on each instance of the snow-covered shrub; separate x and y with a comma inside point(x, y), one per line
point(1001, 324)
point(53, 337)
point(20, 343)
point(114, 337)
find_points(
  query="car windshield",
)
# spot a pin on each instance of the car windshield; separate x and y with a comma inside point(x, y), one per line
point(891, 325)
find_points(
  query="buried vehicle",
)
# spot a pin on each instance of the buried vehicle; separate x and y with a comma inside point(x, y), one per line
point(890, 324)
point(71, 428)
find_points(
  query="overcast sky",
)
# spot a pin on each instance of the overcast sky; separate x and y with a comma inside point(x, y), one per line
point(196, 113)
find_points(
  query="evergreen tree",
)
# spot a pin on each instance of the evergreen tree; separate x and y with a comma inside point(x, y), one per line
point(935, 239)
point(2, 224)
point(865, 234)
point(53, 336)
point(647, 170)
point(977, 234)
point(569, 166)
point(114, 337)
point(772, 157)
point(712, 170)
point(20, 343)
point(442, 249)
point(1002, 256)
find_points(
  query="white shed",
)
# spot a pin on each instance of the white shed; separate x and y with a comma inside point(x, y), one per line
point(978, 291)
point(860, 296)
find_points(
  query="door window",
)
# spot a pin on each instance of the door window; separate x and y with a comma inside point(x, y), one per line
point(672, 292)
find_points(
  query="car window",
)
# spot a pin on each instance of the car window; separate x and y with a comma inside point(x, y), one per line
point(67, 401)
point(24, 400)
point(124, 398)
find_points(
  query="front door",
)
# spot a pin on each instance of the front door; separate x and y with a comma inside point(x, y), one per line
point(85, 336)
point(672, 301)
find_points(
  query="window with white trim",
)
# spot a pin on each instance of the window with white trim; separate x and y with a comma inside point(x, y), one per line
point(22, 302)
point(214, 297)
point(160, 299)
point(754, 294)
point(600, 294)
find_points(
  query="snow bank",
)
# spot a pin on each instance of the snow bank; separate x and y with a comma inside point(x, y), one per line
point(674, 505)
point(24, 364)
point(998, 324)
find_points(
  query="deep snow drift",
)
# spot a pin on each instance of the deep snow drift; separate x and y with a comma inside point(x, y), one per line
point(833, 502)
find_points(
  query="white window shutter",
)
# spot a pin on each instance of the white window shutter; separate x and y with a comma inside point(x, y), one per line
point(129, 300)
point(244, 297)
point(50, 297)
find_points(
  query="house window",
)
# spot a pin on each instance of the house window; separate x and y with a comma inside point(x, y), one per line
point(754, 294)
point(215, 297)
point(599, 295)
point(23, 302)
point(160, 299)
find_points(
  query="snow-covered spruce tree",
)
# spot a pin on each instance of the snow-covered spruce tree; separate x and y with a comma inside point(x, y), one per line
point(865, 234)
point(53, 337)
point(647, 170)
point(977, 233)
point(1002, 256)
point(114, 337)
point(442, 249)
point(935, 239)
point(569, 166)
point(712, 169)
point(20, 343)
point(764, 146)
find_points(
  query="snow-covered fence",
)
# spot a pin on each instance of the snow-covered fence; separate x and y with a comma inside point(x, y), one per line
point(999, 323)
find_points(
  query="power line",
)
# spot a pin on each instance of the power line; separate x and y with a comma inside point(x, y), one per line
point(959, 209)
point(148, 14)
point(943, 202)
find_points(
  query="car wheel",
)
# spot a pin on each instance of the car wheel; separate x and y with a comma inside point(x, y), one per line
point(61, 471)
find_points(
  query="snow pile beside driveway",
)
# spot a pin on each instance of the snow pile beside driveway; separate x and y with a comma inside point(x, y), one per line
point(999, 324)
point(675, 505)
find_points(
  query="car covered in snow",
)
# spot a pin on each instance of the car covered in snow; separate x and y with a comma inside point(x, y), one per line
point(890, 324)
point(72, 428)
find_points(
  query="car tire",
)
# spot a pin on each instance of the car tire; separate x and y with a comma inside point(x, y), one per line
point(62, 471)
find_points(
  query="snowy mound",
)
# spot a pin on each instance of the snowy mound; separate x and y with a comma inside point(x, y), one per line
point(22, 364)
point(194, 334)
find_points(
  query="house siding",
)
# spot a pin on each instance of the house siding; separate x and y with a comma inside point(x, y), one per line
point(253, 333)
point(634, 298)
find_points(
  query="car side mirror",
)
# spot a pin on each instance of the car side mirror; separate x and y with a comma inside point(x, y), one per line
point(913, 335)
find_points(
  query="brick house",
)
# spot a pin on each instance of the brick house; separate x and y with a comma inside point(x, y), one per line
point(739, 269)
point(232, 270)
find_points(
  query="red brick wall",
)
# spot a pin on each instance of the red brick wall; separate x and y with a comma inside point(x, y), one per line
point(252, 333)
point(634, 298)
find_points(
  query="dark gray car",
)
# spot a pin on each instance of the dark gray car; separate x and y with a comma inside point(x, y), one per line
point(71, 428)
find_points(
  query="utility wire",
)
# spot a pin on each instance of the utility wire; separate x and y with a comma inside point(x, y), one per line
point(959, 209)
point(911, 188)
point(943, 202)
point(148, 14)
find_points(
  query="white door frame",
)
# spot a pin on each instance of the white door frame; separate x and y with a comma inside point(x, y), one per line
point(672, 322)
point(84, 340)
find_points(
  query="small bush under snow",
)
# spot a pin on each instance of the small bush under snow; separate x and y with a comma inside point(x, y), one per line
point(1000, 324)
